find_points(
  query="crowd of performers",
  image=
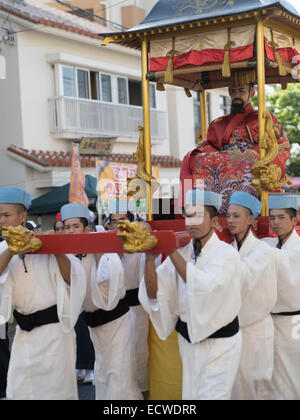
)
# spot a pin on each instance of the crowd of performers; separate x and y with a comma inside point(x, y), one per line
point(234, 306)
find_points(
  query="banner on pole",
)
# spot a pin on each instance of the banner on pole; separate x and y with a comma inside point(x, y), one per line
point(112, 182)
point(77, 180)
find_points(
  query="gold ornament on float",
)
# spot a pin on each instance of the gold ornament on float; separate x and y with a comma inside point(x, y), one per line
point(137, 186)
point(268, 175)
point(135, 237)
point(20, 240)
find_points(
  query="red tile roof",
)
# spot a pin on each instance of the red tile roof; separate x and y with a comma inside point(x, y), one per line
point(41, 14)
point(54, 159)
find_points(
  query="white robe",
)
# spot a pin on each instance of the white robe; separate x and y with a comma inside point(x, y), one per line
point(134, 266)
point(259, 294)
point(286, 375)
point(207, 301)
point(42, 363)
point(115, 364)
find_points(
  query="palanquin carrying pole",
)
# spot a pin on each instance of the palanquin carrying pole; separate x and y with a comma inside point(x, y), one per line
point(147, 122)
point(260, 53)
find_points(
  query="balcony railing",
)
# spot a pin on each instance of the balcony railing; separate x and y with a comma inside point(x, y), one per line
point(96, 118)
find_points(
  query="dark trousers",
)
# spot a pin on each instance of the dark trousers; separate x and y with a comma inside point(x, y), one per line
point(85, 349)
point(4, 361)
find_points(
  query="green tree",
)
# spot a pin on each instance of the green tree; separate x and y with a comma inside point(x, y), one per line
point(293, 166)
point(285, 104)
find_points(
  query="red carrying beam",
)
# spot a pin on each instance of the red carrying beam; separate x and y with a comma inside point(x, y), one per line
point(170, 234)
point(105, 242)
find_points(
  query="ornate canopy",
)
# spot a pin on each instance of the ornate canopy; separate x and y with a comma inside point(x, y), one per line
point(197, 44)
point(168, 13)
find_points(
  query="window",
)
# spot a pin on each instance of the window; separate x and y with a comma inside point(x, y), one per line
point(68, 81)
point(152, 95)
point(197, 113)
point(135, 92)
point(225, 104)
point(95, 85)
point(83, 84)
point(122, 91)
point(106, 91)
point(88, 84)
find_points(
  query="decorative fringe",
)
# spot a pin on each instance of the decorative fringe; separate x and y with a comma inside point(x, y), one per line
point(244, 77)
point(169, 75)
point(226, 63)
point(281, 68)
point(188, 92)
point(160, 87)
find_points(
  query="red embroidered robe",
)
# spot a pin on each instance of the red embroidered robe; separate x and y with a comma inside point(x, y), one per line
point(225, 159)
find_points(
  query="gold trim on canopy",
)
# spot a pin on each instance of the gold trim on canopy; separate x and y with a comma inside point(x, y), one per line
point(213, 39)
point(274, 17)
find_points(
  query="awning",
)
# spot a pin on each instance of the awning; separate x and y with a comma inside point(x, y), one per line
point(52, 201)
point(295, 182)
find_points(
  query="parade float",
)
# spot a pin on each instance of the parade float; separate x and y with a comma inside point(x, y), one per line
point(201, 45)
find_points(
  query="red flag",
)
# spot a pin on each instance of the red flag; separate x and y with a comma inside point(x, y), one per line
point(77, 181)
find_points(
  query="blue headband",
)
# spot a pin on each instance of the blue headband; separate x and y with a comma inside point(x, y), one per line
point(206, 198)
point(15, 196)
point(244, 199)
point(71, 210)
point(284, 201)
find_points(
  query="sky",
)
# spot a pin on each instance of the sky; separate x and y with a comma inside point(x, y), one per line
point(295, 3)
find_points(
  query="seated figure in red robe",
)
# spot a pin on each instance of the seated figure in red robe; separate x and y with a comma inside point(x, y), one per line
point(225, 158)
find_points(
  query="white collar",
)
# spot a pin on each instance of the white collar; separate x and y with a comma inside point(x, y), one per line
point(294, 237)
point(247, 244)
point(208, 247)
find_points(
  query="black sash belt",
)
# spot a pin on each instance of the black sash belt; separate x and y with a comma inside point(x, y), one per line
point(228, 331)
point(287, 313)
point(132, 297)
point(101, 317)
point(37, 319)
